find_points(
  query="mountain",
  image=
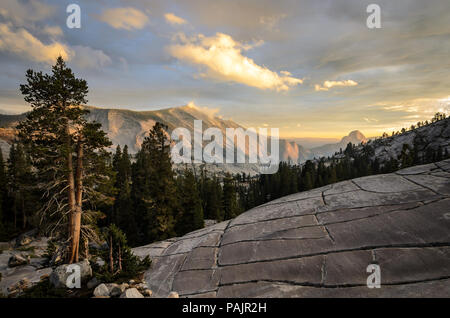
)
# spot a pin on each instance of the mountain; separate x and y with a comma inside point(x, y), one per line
point(355, 137)
point(127, 127)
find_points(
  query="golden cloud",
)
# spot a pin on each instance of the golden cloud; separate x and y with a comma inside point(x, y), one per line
point(330, 84)
point(124, 18)
point(23, 43)
point(173, 19)
point(222, 58)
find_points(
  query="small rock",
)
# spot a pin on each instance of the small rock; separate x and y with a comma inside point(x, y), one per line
point(114, 290)
point(173, 295)
point(124, 286)
point(131, 282)
point(59, 276)
point(18, 260)
point(101, 291)
point(142, 286)
point(93, 283)
point(148, 293)
point(131, 293)
point(100, 297)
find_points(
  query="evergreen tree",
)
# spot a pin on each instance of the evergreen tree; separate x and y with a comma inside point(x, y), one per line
point(230, 202)
point(64, 149)
point(154, 189)
point(123, 213)
point(213, 199)
point(190, 216)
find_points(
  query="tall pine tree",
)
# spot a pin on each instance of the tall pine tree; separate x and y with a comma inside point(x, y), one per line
point(154, 189)
point(64, 148)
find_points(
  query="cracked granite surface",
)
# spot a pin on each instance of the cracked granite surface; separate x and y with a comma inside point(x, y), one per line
point(319, 243)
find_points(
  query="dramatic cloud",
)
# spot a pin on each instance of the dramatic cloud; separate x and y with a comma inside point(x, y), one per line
point(124, 18)
point(24, 44)
point(173, 19)
point(330, 84)
point(222, 58)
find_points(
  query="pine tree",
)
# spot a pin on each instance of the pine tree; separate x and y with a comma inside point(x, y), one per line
point(213, 199)
point(64, 148)
point(230, 203)
point(154, 189)
point(123, 213)
point(190, 217)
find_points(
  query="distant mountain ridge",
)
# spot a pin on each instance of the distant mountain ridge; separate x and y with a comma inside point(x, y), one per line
point(128, 127)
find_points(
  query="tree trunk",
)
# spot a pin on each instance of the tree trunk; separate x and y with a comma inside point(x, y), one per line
point(76, 230)
point(86, 248)
point(120, 259)
point(24, 223)
point(111, 259)
point(71, 199)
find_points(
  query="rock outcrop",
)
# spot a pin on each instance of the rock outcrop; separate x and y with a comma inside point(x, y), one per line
point(60, 274)
point(319, 243)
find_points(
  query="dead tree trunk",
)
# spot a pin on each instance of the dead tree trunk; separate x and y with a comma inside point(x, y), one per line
point(71, 199)
point(120, 259)
point(111, 259)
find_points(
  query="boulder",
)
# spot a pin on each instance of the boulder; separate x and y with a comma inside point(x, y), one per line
point(101, 291)
point(114, 290)
point(59, 276)
point(93, 283)
point(173, 295)
point(18, 260)
point(320, 243)
point(131, 293)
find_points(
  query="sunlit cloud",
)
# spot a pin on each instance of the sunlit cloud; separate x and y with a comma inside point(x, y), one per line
point(210, 112)
point(221, 57)
point(23, 43)
point(124, 18)
point(371, 120)
point(330, 84)
point(173, 19)
point(53, 31)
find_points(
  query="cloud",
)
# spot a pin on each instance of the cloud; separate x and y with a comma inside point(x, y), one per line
point(270, 22)
point(173, 19)
point(124, 18)
point(53, 31)
point(23, 12)
point(89, 58)
point(210, 112)
point(222, 58)
point(24, 44)
point(330, 84)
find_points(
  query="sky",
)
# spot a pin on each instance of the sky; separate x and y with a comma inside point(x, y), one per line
point(311, 68)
